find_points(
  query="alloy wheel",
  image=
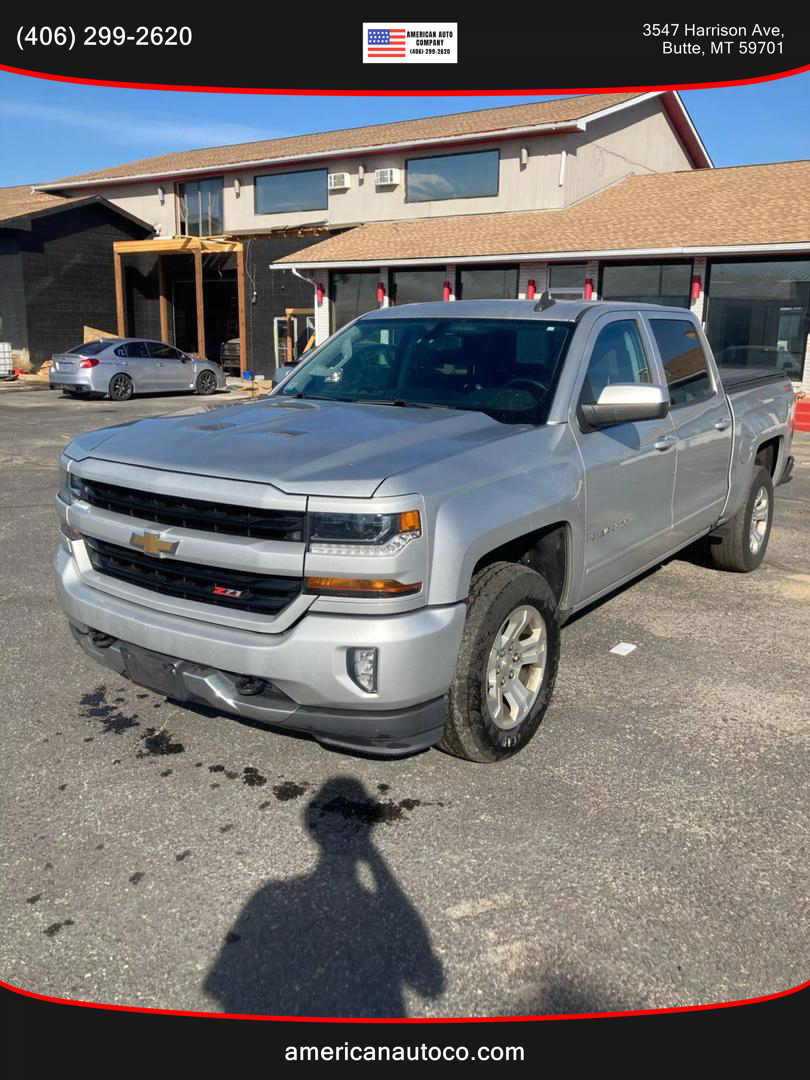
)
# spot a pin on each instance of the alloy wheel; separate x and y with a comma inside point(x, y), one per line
point(517, 662)
point(759, 520)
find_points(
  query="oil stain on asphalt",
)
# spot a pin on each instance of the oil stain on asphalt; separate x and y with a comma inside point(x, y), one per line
point(157, 743)
point(54, 928)
point(112, 719)
point(362, 813)
point(288, 790)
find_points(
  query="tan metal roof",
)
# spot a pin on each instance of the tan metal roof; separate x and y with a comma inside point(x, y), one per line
point(484, 121)
point(742, 205)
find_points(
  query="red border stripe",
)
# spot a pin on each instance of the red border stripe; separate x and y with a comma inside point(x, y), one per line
point(405, 1020)
point(402, 93)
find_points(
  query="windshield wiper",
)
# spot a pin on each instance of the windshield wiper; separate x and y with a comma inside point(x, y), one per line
point(317, 397)
point(401, 403)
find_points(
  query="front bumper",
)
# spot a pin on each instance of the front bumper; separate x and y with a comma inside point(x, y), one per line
point(386, 733)
point(306, 664)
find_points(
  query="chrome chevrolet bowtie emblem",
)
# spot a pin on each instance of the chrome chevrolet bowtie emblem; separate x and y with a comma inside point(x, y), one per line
point(151, 543)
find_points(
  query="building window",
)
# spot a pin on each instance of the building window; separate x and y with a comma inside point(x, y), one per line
point(353, 293)
point(281, 193)
point(486, 283)
point(759, 314)
point(684, 361)
point(647, 283)
point(452, 176)
point(201, 208)
point(567, 281)
point(417, 286)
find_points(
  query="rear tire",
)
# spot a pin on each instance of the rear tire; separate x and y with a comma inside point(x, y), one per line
point(742, 546)
point(121, 388)
point(506, 667)
point(206, 383)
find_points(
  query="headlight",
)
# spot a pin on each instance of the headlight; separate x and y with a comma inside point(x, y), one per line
point(362, 534)
point(70, 486)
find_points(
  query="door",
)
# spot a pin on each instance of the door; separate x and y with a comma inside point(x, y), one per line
point(174, 370)
point(629, 468)
point(134, 360)
point(702, 420)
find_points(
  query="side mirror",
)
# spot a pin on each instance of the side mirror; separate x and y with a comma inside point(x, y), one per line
point(626, 403)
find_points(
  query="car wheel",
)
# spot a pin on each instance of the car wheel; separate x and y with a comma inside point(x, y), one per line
point(206, 383)
point(741, 547)
point(506, 667)
point(121, 388)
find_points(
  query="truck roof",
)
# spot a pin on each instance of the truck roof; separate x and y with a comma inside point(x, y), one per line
point(558, 310)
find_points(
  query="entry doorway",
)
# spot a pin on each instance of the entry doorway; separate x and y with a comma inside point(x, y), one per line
point(221, 302)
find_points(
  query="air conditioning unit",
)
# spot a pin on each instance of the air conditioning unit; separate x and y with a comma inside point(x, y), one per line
point(339, 181)
point(386, 177)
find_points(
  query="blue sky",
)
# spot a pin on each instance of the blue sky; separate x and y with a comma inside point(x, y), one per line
point(50, 129)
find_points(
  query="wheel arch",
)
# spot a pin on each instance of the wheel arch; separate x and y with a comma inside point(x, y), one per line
point(546, 550)
point(768, 454)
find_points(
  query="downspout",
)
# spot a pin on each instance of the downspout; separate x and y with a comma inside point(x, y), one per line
point(318, 295)
point(309, 281)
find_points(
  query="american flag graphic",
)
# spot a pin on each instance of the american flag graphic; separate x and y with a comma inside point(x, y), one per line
point(385, 43)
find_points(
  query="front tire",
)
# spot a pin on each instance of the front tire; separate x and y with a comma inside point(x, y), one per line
point(206, 383)
point(506, 667)
point(121, 388)
point(742, 547)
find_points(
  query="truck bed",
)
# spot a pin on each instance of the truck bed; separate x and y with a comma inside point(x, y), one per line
point(737, 379)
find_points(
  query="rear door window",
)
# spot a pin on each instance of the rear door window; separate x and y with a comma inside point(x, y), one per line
point(159, 351)
point(684, 360)
point(132, 349)
point(137, 349)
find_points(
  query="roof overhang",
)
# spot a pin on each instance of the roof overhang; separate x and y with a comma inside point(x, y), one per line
point(686, 130)
point(22, 222)
point(320, 155)
point(672, 102)
point(552, 256)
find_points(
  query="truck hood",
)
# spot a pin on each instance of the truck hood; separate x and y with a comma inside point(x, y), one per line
point(300, 447)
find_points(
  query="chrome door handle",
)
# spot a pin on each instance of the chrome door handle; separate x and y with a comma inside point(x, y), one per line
point(664, 443)
point(721, 425)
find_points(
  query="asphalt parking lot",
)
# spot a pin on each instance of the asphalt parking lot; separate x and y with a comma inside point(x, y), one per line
point(648, 849)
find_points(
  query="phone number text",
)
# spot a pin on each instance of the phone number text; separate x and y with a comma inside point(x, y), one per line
point(65, 37)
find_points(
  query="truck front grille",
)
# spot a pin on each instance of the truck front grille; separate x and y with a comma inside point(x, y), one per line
point(249, 521)
point(260, 593)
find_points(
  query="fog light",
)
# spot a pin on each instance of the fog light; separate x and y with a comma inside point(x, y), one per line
point(362, 667)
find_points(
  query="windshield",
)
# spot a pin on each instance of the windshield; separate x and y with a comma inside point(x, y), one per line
point(505, 368)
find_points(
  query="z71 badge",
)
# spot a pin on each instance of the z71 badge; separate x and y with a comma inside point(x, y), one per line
point(220, 590)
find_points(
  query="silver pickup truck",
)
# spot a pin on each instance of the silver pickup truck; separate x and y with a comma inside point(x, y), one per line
point(382, 552)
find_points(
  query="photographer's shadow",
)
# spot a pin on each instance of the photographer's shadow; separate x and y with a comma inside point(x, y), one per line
point(329, 943)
